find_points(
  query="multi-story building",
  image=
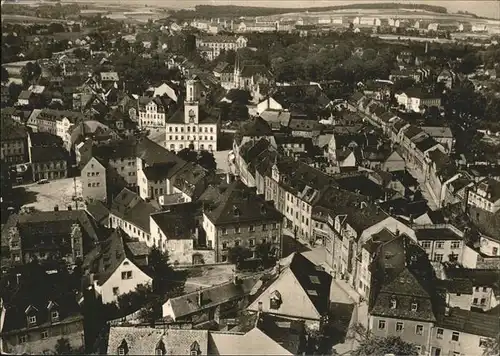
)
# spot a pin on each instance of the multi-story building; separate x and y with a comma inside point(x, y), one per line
point(56, 122)
point(14, 142)
point(93, 178)
point(413, 99)
point(191, 126)
point(49, 162)
point(442, 243)
point(240, 217)
point(485, 195)
point(37, 310)
point(401, 301)
point(152, 112)
point(216, 44)
point(115, 268)
point(67, 234)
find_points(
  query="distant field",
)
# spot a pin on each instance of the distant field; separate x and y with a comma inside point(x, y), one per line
point(28, 19)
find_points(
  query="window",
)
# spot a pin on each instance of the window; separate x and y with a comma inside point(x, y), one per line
point(23, 339)
point(224, 245)
point(483, 301)
point(414, 307)
point(264, 227)
point(436, 351)
point(236, 242)
point(483, 342)
point(425, 245)
point(455, 244)
point(439, 244)
point(399, 326)
point(251, 242)
point(54, 315)
point(394, 303)
point(475, 300)
point(237, 230)
point(251, 228)
point(32, 319)
point(419, 330)
point(127, 275)
point(439, 333)
point(485, 289)
point(45, 334)
point(438, 257)
point(419, 349)
point(224, 258)
point(477, 289)
point(115, 290)
point(381, 324)
point(455, 336)
point(223, 231)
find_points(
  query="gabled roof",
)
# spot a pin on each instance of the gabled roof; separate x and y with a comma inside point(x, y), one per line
point(470, 322)
point(426, 144)
point(175, 226)
point(255, 127)
point(211, 297)
point(144, 341)
point(128, 206)
point(239, 203)
point(152, 153)
point(250, 70)
point(444, 233)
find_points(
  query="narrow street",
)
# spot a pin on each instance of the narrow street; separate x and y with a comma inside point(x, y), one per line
point(426, 193)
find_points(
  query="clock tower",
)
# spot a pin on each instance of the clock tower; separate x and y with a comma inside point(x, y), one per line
point(191, 104)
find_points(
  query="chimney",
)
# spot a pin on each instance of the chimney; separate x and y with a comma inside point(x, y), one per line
point(200, 297)
point(260, 307)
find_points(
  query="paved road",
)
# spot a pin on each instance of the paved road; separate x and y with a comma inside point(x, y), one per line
point(426, 193)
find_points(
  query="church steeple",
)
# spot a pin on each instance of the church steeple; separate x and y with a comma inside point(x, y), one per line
point(237, 72)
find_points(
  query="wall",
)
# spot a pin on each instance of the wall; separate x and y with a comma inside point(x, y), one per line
point(466, 345)
point(488, 246)
point(394, 163)
point(130, 229)
point(124, 285)
point(93, 178)
point(462, 301)
point(408, 333)
point(73, 331)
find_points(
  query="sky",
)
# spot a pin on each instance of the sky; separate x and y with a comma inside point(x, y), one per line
point(489, 8)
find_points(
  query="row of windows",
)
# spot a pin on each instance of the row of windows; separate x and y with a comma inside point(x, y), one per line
point(152, 116)
point(419, 330)
point(93, 185)
point(251, 228)
point(93, 174)
point(440, 244)
point(181, 146)
point(251, 242)
point(188, 129)
point(50, 165)
point(189, 138)
point(13, 151)
point(476, 301)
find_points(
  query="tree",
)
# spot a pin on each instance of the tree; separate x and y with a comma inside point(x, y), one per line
point(207, 160)
point(188, 154)
point(14, 91)
point(238, 254)
point(263, 252)
point(63, 347)
point(5, 75)
point(165, 278)
point(378, 346)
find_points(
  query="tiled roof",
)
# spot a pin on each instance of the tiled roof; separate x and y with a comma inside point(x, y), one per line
point(250, 150)
point(53, 115)
point(130, 207)
point(251, 70)
point(151, 153)
point(175, 226)
point(254, 342)
point(310, 95)
point(204, 117)
point(487, 223)
point(12, 131)
point(304, 125)
point(187, 304)
point(302, 268)
point(426, 144)
point(47, 227)
point(97, 210)
point(491, 187)
point(144, 341)
point(470, 322)
point(402, 272)
point(189, 178)
point(457, 285)
point(412, 131)
point(437, 234)
point(239, 203)
point(438, 131)
point(255, 127)
point(478, 277)
point(36, 289)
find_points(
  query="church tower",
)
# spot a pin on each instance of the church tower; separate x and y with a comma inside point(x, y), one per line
point(191, 104)
point(237, 73)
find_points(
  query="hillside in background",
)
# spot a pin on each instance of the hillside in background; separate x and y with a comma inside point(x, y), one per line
point(208, 11)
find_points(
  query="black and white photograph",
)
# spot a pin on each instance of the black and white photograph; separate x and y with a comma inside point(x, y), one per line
point(223, 177)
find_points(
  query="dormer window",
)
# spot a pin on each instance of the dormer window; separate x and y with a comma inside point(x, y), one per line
point(54, 315)
point(32, 320)
point(160, 348)
point(394, 303)
point(414, 306)
point(275, 300)
point(123, 348)
point(236, 211)
point(195, 350)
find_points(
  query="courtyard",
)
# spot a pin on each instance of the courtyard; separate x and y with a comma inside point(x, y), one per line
point(45, 197)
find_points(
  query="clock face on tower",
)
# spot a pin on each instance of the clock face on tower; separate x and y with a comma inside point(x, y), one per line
point(192, 115)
